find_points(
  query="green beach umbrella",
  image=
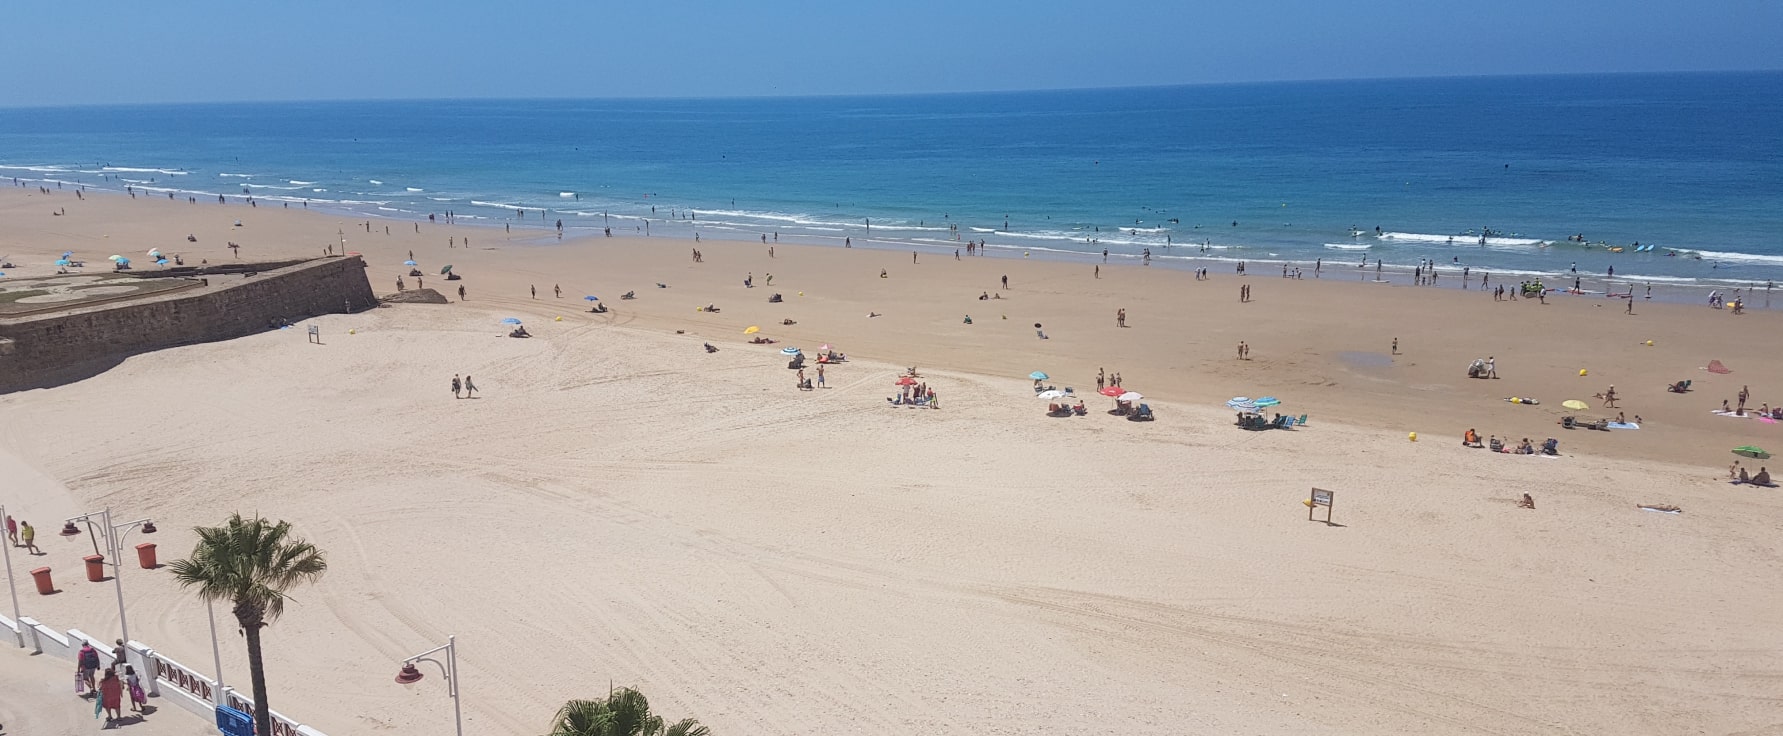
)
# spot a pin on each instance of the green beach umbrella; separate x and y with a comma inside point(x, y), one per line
point(447, 269)
point(1751, 452)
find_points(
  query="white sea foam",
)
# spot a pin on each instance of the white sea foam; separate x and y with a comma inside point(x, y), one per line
point(566, 195)
point(169, 172)
point(375, 181)
point(300, 183)
point(318, 190)
point(1730, 257)
point(441, 199)
point(481, 203)
point(411, 189)
point(238, 176)
point(1348, 246)
point(39, 169)
point(1458, 239)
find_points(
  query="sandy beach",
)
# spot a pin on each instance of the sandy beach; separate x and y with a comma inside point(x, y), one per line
point(618, 505)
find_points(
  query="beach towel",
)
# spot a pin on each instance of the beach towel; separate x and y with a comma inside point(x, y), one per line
point(1721, 413)
point(1715, 366)
point(1662, 509)
point(1624, 425)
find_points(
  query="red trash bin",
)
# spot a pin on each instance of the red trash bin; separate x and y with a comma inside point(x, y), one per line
point(145, 555)
point(42, 576)
point(95, 567)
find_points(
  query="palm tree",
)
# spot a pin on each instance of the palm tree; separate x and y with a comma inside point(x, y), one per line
point(624, 713)
point(250, 563)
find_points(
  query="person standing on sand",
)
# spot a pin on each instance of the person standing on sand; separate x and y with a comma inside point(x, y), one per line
point(1609, 397)
point(557, 289)
point(1744, 393)
point(1098, 270)
point(820, 375)
point(1120, 318)
point(1006, 282)
point(535, 290)
point(469, 388)
point(12, 531)
point(461, 293)
point(457, 386)
point(1101, 380)
point(1395, 346)
point(28, 535)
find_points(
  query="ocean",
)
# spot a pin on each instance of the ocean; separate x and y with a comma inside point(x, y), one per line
point(1304, 173)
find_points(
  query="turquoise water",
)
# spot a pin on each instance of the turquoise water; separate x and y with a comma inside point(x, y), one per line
point(1692, 164)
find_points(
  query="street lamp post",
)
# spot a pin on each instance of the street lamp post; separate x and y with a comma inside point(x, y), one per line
point(13, 588)
point(409, 675)
point(113, 536)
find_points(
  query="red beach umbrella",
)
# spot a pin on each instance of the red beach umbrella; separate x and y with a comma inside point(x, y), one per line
point(1113, 391)
point(906, 381)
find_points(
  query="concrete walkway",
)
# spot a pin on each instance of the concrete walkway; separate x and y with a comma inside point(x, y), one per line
point(40, 701)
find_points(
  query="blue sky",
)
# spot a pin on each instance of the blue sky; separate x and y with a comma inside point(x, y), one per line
point(106, 51)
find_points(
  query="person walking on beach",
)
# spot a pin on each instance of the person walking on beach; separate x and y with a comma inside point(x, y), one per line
point(12, 531)
point(535, 290)
point(469, 387)
point(28, 536)
point(1609, 397)
point(1395, 346)
point(1098, 270)
point(111, 697)
point(557, 289)
point(86, 664)
point(457, 386)
point(1244, 351)
point(1006, 282)
point(133, 685)
point(1744, 393)
point(1120, 318)
point(461, 293)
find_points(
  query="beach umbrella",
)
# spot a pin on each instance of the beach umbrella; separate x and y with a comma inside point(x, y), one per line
point(61, 261)
point(789, 351)
point(1112, 391)
point(446, 270)
point(67, 253)
point(824, 347)
point(591, 298)
point(1130, 396)
point(1575, 404)
point(1241, 402)
point(510, 320)
point(1039, 375)
point(906, 381)
point(410, 263)
point(124, 261)
point(750, 330)
point(154, 252)
point(1050, 395)
point(161, 261)
point(114, 257)
point(1266, 402)
point(1751, 452)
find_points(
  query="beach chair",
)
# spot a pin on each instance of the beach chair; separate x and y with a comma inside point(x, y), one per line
point(1142, 414)
point(1301, 422)
point(1497, 445)
point(1569, 422)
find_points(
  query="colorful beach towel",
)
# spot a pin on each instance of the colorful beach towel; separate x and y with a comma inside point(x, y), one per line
point(1624, 425)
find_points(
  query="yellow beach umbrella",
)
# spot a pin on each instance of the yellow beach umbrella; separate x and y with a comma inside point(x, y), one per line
point(1575, 405)
point(752, 329)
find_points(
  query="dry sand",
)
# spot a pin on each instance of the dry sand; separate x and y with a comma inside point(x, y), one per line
point(619, 505)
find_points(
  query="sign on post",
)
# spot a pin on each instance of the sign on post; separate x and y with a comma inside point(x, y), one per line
point(316, 334)
point(1320, 497)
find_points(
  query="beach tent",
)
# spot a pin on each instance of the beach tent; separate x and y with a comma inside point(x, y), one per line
point(1715, 366)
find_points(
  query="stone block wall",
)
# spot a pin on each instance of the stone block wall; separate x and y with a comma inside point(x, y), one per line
point(52, 349)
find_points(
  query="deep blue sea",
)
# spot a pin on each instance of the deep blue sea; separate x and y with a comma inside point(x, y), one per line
point(1301, 172)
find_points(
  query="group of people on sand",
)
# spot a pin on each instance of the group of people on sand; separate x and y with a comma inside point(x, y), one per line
point(1738, 474)
point(463, 386)
point(1471, 438)
point(1739, 409)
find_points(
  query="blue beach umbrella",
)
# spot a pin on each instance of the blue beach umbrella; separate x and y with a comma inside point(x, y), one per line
point(510, 321)
point(61, 261)
point(591, 298)
point(789, 351)
point(1267, 401)
point(410, 263)
point(67, 253)
point(1241, 402)
point(161, 261)
point(1039, 375)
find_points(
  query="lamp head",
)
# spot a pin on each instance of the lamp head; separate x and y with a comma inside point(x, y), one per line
point(69, 529)
point(409, 675)
point(148, 527)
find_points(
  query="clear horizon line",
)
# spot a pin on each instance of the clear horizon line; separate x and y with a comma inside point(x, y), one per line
point(819, 96)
